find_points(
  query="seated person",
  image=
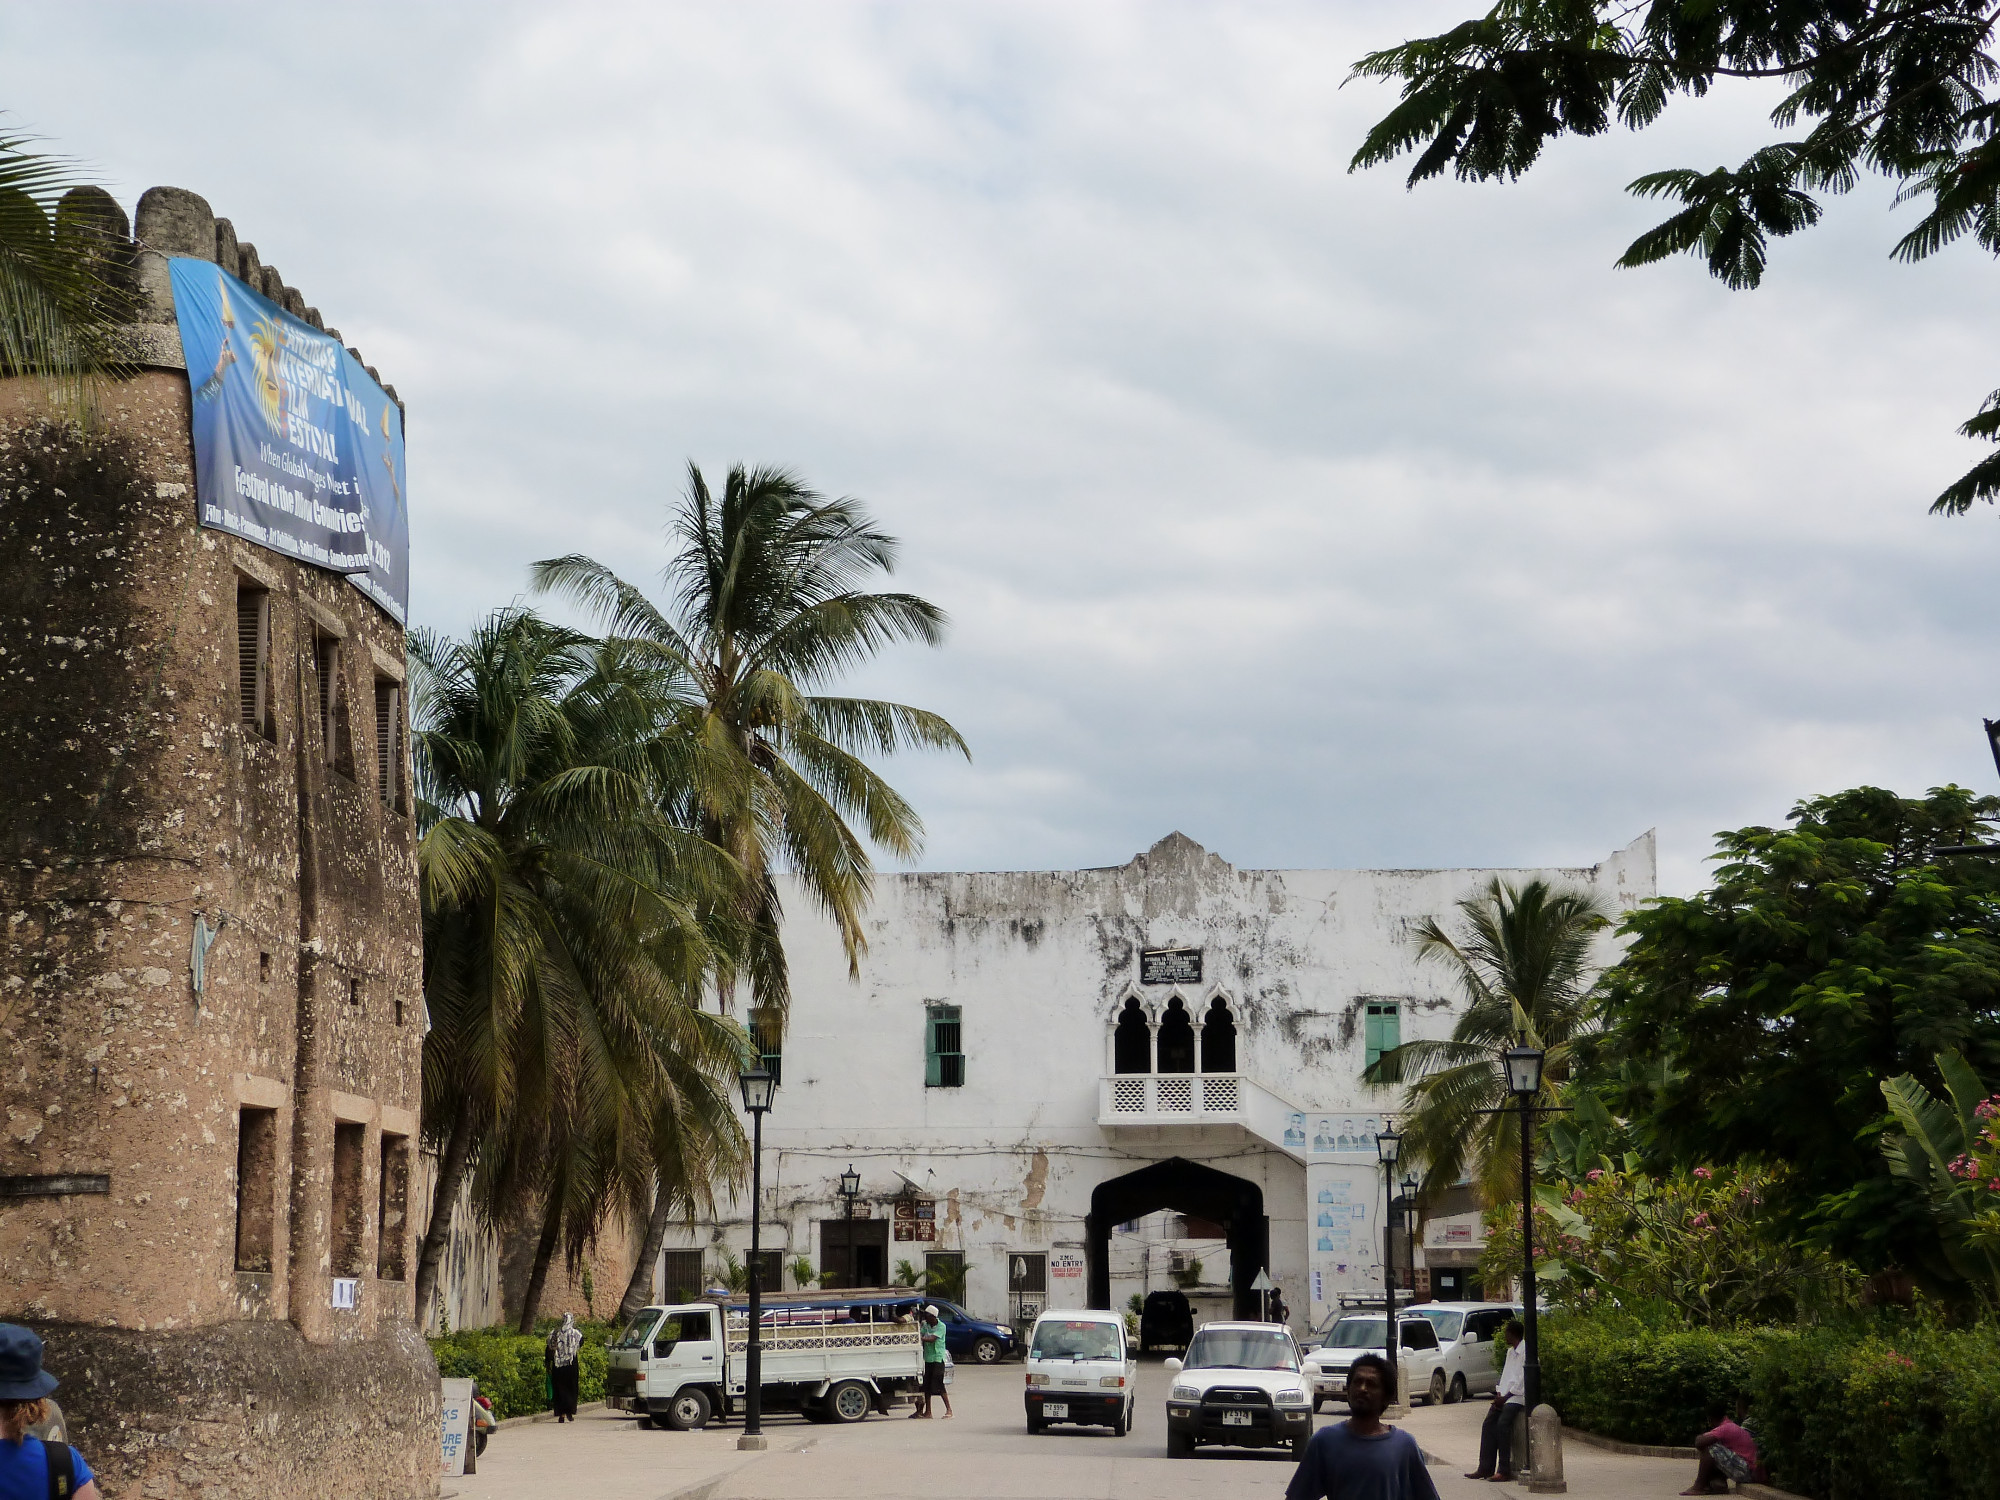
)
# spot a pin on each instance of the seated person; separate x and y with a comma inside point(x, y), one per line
point(1727, 1452)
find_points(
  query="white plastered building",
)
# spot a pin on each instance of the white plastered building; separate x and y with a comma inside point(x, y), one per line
point(1052, 1073)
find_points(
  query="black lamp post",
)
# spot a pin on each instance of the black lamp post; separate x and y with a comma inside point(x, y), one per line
point(1524, 1081)
point(758, 1087)
point(1389, 1146)
point(850, 1189)
point(1410, 1230)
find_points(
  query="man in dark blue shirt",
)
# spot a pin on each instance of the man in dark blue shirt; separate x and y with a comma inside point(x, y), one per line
point(1360, 1459)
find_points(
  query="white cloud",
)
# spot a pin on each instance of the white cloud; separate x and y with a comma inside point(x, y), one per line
point(1332, 523)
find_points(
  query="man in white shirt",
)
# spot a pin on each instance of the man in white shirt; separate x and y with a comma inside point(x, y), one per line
point(1496, 1435)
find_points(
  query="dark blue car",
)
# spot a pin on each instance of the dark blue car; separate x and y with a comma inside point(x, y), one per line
point(971, 1340)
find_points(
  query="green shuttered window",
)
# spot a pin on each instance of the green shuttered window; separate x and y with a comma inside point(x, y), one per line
point(944, 1054)
point(1385, 1029)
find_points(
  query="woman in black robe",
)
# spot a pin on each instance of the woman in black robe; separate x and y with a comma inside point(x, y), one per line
point(560, 1357)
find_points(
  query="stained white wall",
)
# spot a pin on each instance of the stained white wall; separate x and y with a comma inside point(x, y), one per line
point(1039, 964)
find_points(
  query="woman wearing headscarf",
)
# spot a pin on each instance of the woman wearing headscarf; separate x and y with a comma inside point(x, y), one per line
point(560, 1356)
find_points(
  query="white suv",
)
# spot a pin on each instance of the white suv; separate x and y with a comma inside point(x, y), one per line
point(1419, 1376)
point(1241, 1385)
point(1467, 1332)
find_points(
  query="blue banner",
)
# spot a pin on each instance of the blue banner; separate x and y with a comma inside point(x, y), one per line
point(295, 448)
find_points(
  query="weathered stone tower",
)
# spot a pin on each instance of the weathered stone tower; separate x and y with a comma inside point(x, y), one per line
point(211, 1028)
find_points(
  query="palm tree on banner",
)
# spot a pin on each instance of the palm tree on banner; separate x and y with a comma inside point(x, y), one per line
point(1523, 958)
point(767, 603)
point(569, 925)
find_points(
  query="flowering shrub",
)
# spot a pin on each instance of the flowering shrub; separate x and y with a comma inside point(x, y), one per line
point(1695, 1242)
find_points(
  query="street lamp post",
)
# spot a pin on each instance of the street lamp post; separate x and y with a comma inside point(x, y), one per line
point(1410, 1230)
point(1389, 1145)
point(758, 1087)
point(850, 1189)
point(1524, 1081)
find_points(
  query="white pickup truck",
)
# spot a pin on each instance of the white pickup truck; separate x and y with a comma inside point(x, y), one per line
point(833, 1361)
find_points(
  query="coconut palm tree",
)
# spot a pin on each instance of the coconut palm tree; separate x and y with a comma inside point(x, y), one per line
point(65, 274)
point(1522, 957)
point(768, 603)
point(570, 926)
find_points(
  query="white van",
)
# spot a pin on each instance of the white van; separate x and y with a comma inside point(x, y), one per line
point(1081, 1369)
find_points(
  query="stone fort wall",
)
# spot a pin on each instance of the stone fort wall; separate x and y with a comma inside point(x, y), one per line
point(197, 734)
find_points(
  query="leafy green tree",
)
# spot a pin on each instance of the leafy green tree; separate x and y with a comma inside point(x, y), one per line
point(1949, 1150)
point(1523, 956)
point(1899, 88)
point(568, 928)
point(767, 604)
point(1828, 956)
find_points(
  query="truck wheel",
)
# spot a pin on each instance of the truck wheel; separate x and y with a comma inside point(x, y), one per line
point(848, 1402)
point(986, 1350)
point(1457, 1392)
point(686, 1412)
point(1318, 1401)
point(1179, 1444)
point(1436, 1394)
point(1036, 1425)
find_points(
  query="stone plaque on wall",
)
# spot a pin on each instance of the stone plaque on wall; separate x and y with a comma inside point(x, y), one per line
point(1170, 966)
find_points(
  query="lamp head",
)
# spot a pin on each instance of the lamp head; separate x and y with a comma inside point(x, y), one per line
point(850, 1183)
point(1389, 1144)
point(1524, 1069)
point(758, 1087)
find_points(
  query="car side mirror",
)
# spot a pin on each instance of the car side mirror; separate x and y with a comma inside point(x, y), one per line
point(1173, 1366)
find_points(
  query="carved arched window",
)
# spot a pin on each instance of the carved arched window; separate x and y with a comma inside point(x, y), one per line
point(1176, 1039)
point(1218, 1038)
point(1132, 1040)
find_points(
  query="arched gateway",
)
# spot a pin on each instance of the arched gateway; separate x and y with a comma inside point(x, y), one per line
point(1190, 1188)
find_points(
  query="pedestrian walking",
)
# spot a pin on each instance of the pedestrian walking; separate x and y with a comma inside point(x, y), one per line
point(33, 1468)
point(931, 1330)
point(1496, 1433)
point(560, 1356)
point(1279, 1312)
point(1360, 1459)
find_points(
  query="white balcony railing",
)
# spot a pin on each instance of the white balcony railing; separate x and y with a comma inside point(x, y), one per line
point(1198, 1099)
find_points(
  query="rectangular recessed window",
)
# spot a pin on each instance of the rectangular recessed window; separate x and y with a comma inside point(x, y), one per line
point(263, 968)
point(767, 1036)
point(336, 734)
point(256, 1187)
point(1384, 1029)
point(354, 993)
point(349, 1220)
point(680, 1275)
point(770, 1269)
point(253, 657)
point(944, 1056)
point(392, 1233)
point(389, 743)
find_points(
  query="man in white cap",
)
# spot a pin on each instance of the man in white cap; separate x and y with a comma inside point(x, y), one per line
point(934, 1358)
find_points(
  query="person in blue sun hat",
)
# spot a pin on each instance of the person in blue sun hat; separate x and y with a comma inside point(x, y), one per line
point(31, 1469)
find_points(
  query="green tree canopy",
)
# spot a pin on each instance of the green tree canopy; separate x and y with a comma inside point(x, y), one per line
point(1900, 88)
point(1758, 1020)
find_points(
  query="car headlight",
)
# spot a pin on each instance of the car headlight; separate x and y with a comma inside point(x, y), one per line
point(1185, 1393)
point(1291, 1398)
point(1038, 1380)
point(1006, 1332)
point(1112, 1380)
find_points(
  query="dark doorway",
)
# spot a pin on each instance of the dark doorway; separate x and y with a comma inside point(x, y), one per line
point(1218, 1039)
point(1132, 1041)
point(1454, 1284)
point(863, 1263)
point(1192, 1189)
point(1176, 1039)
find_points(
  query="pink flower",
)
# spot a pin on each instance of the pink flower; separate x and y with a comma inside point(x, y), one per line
point(1986, 1109)
point(1703, 1172)
point(1701, 1221)
point(1593, 1174)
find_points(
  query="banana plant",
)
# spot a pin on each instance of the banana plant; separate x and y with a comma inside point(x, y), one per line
point(1938, 1137)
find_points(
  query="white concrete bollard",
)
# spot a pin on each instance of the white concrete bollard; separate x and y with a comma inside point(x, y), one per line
point(1546, 1443)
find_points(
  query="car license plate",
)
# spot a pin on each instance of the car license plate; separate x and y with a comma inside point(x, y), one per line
point(1055, 1408)
point(1236, 1419)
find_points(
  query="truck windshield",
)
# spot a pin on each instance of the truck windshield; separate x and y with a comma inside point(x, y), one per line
point(1356, 1333)
point(1242, 1349)
point(1076, 1339)
point(638, 1330)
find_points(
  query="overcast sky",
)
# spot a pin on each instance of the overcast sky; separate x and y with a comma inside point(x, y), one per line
point(1332, 524)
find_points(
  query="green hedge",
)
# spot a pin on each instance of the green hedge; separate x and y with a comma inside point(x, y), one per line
point(509, 1367)
point(1886, 1413)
